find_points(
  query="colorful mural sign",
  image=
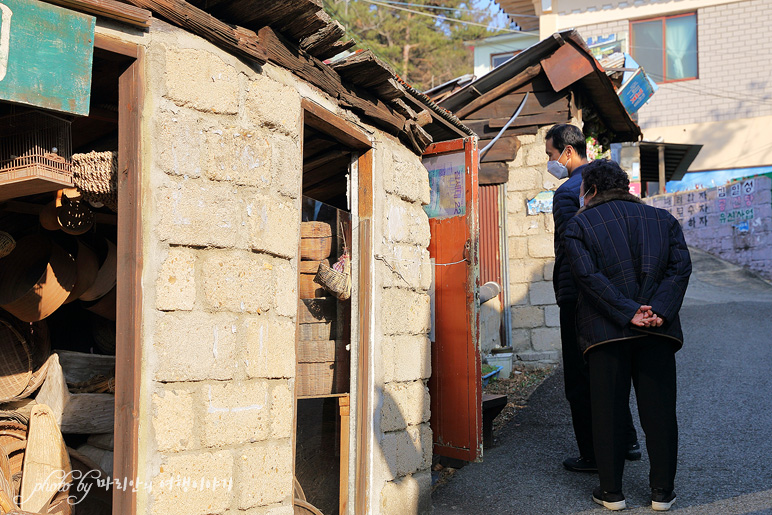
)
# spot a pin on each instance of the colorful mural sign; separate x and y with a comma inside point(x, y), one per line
point(541, 203)
point(46, 54)
point(734, 202)
point(446, 183)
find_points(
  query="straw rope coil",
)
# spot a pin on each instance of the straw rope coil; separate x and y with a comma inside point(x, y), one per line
point(95, 174)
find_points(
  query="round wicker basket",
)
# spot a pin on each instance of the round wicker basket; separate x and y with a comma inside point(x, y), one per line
point(16, 363)
point(36, 278)
point(7, 244)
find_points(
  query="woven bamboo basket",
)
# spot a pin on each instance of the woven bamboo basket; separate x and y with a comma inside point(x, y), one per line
point(308, 289)
point(302, 507)
point(316, 310)
point(36, 278)
point(7, 244)
point(317, 331)
point(87, 264)
point(317, 351)
point(13, 442)
point(16, 363)
point(105, 306)
point(39, 342)
point(337, 283)
point(107, 274)
point(46, 466)
point(322, 368)
point(315, 240)
point(95, 174)
point(6, 483)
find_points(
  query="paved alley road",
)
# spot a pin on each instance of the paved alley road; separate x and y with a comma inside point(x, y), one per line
point(724, 410)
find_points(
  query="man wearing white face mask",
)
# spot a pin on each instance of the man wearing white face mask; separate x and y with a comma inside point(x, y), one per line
point(567, 153)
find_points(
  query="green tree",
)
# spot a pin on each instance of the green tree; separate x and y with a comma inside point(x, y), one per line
point(425, 45)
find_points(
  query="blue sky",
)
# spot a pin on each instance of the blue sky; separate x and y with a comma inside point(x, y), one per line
point(716, 178)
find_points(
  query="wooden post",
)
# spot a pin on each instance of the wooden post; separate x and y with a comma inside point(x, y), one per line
point(661, 151)
point(344, 407)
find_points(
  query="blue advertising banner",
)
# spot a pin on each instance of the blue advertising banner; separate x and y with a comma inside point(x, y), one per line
point(46, 55)
point(636, 91)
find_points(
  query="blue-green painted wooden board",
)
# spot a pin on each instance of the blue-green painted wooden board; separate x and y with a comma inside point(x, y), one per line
point(46, 54)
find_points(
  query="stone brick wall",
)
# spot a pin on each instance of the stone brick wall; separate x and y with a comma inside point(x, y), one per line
point(222, 173)
point(221, 208)
point(534, 316)
point(403, 272)
point(731, 85)
point(733, 222)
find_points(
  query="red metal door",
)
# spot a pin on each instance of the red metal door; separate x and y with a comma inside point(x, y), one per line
point(455, 385)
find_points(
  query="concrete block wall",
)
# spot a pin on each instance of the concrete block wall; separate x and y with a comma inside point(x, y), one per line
point(221, 211)
point(733, 222)
point(402, 438)
point(731, 85)
point(535, 333)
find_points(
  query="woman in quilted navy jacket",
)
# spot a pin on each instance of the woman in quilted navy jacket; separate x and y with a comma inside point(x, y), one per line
point(631, 267)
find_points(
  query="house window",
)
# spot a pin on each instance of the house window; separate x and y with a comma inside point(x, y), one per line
point(497, 59)
point(666, 47)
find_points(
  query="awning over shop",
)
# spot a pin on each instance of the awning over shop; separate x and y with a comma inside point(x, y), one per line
point(678, 157)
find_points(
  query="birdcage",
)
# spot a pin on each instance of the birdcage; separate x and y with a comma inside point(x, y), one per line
point(35, 154)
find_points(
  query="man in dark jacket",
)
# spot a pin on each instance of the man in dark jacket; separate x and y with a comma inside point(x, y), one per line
point(631, 266)
point(567, 152)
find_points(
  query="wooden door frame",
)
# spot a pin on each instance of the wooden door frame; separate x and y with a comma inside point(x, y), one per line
point(128, 348)
point(349, 135)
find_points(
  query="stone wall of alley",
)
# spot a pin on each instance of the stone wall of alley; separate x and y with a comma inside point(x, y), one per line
point(534, 316)
point(733, 222)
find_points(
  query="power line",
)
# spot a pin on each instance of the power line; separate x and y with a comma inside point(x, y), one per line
point(442, 18)
point(473, 11)
point(715, 93)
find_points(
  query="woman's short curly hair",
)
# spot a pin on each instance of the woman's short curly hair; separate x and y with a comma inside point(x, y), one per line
point(605, 175)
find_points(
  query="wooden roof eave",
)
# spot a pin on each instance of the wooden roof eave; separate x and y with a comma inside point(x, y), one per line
point(111, 9)
point(362, 82)
point(237, 40)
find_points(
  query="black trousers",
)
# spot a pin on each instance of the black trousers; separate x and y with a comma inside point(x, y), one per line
point(650, 361)
point(576, 377)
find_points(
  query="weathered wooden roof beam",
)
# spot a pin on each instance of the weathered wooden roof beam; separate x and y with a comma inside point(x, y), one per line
point(240, 41)
point(323, 39)
point(501, 90)
point(111, 9)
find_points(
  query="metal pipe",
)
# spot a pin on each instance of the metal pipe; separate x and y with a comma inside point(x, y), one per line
point(514, 116)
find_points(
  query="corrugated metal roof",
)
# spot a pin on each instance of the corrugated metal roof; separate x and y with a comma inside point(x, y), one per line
point(598, 87)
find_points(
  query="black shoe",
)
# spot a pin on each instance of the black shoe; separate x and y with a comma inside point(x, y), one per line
point(580, 464)
point(633, 452)
point(662, 500)
point(610, 500)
